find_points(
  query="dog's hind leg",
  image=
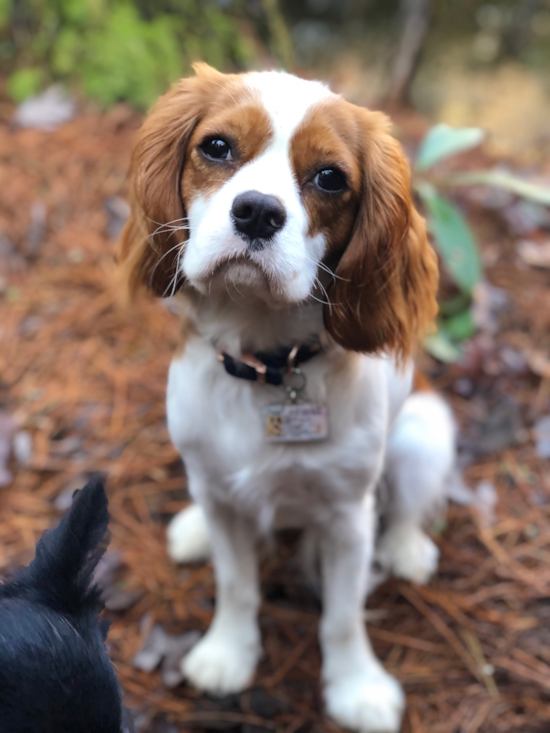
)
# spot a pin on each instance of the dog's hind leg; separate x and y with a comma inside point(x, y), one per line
point(187, 536)
point(420, 460)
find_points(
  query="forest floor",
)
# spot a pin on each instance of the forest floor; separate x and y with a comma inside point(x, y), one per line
point(82, 384)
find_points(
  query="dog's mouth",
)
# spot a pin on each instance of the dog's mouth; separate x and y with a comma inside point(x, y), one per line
point(241, 272)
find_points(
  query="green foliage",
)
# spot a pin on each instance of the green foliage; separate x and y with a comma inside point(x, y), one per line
point(4, 12)
point(127, 58)
point(461, 326)
point(507, 181)
point(453, 237)
point(442, 141)
point(442, 347)
point(118, 49)
point(24, 83)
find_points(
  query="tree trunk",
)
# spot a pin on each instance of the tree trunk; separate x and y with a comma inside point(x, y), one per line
point(416, 22)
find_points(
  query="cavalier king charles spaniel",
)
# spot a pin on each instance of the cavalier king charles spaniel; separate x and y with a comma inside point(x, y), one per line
point(283, 214)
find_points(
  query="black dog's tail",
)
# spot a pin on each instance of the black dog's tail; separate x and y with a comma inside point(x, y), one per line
point(60, 576)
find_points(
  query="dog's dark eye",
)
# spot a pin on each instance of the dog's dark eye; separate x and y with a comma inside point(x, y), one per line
point(331, 180)
point(216, 149)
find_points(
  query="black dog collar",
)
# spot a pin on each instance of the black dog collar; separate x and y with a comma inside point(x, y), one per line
point(268, 367)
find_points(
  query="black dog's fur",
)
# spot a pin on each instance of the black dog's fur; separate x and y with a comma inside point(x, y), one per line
point(55, 673)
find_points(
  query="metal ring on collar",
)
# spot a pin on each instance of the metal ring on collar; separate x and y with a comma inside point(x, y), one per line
point(294, 380)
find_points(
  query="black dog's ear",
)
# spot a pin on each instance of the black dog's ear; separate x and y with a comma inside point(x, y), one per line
point(60, 576)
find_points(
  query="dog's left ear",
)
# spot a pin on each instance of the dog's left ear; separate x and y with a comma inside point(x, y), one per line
point(384, 294)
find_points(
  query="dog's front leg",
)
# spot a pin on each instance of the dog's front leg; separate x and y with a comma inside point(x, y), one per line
point(225, 659)
point(359, 693)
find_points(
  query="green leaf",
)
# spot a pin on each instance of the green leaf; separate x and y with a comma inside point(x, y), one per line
point(5, 12)
point(502, 179)
point(453, 237)
point(440, 346)
point(455, 305)
point(24, 83)
point(444, 140)
point(461, 326)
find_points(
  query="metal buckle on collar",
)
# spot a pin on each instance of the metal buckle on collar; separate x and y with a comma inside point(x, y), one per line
point(291, 360)
point(260, 368)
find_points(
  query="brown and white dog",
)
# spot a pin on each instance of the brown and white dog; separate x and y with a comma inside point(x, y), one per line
point(284, 215)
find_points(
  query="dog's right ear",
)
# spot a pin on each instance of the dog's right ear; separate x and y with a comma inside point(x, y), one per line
point(61, 574)
point(150, 242)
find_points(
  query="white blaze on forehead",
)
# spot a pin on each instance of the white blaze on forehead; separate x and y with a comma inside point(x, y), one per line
point(286, 99)
point(290, 261)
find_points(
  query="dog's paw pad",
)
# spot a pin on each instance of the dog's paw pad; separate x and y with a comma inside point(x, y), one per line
point(187, 536)
point(366, 703)
point(220, 666)
point(407, 552)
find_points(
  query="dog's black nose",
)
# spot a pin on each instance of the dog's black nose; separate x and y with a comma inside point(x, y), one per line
point(257, 216)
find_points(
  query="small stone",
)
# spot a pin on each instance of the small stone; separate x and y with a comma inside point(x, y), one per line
point(118, 211)
point(463, 387)
point(541, 430)
point(166, 650)
point(46, 111)
point(22, 447)
point(76, 255)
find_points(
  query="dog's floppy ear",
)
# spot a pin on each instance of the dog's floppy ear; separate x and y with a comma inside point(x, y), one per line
point(60, 576)
point(148, 247)
point(384, 294)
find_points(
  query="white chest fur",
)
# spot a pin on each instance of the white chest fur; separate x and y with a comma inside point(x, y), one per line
point(215, 421)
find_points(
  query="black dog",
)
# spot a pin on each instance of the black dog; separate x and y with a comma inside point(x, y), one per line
point(55, 673)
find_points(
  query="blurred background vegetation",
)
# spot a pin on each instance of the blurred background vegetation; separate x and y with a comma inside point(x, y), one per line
point(112, 50)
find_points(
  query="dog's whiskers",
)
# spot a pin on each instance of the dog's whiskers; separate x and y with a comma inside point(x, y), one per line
point(331, 273)
point(174, 280)
point(319, 285)
point(182, 247)
point(325, 268)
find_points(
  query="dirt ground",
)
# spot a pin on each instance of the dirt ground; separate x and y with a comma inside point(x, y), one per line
point(82, 377)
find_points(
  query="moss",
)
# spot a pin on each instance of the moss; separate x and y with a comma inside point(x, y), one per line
point(113, 50)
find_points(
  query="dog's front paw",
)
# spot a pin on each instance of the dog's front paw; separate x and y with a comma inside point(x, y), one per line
point(221, 665)
point(407, 552)
point(372, 702)
point(187, 536)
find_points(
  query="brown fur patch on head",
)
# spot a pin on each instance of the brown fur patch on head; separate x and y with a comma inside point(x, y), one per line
point(245, 125)
point(383, 297)
point(167, 171)
point(328, 138)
